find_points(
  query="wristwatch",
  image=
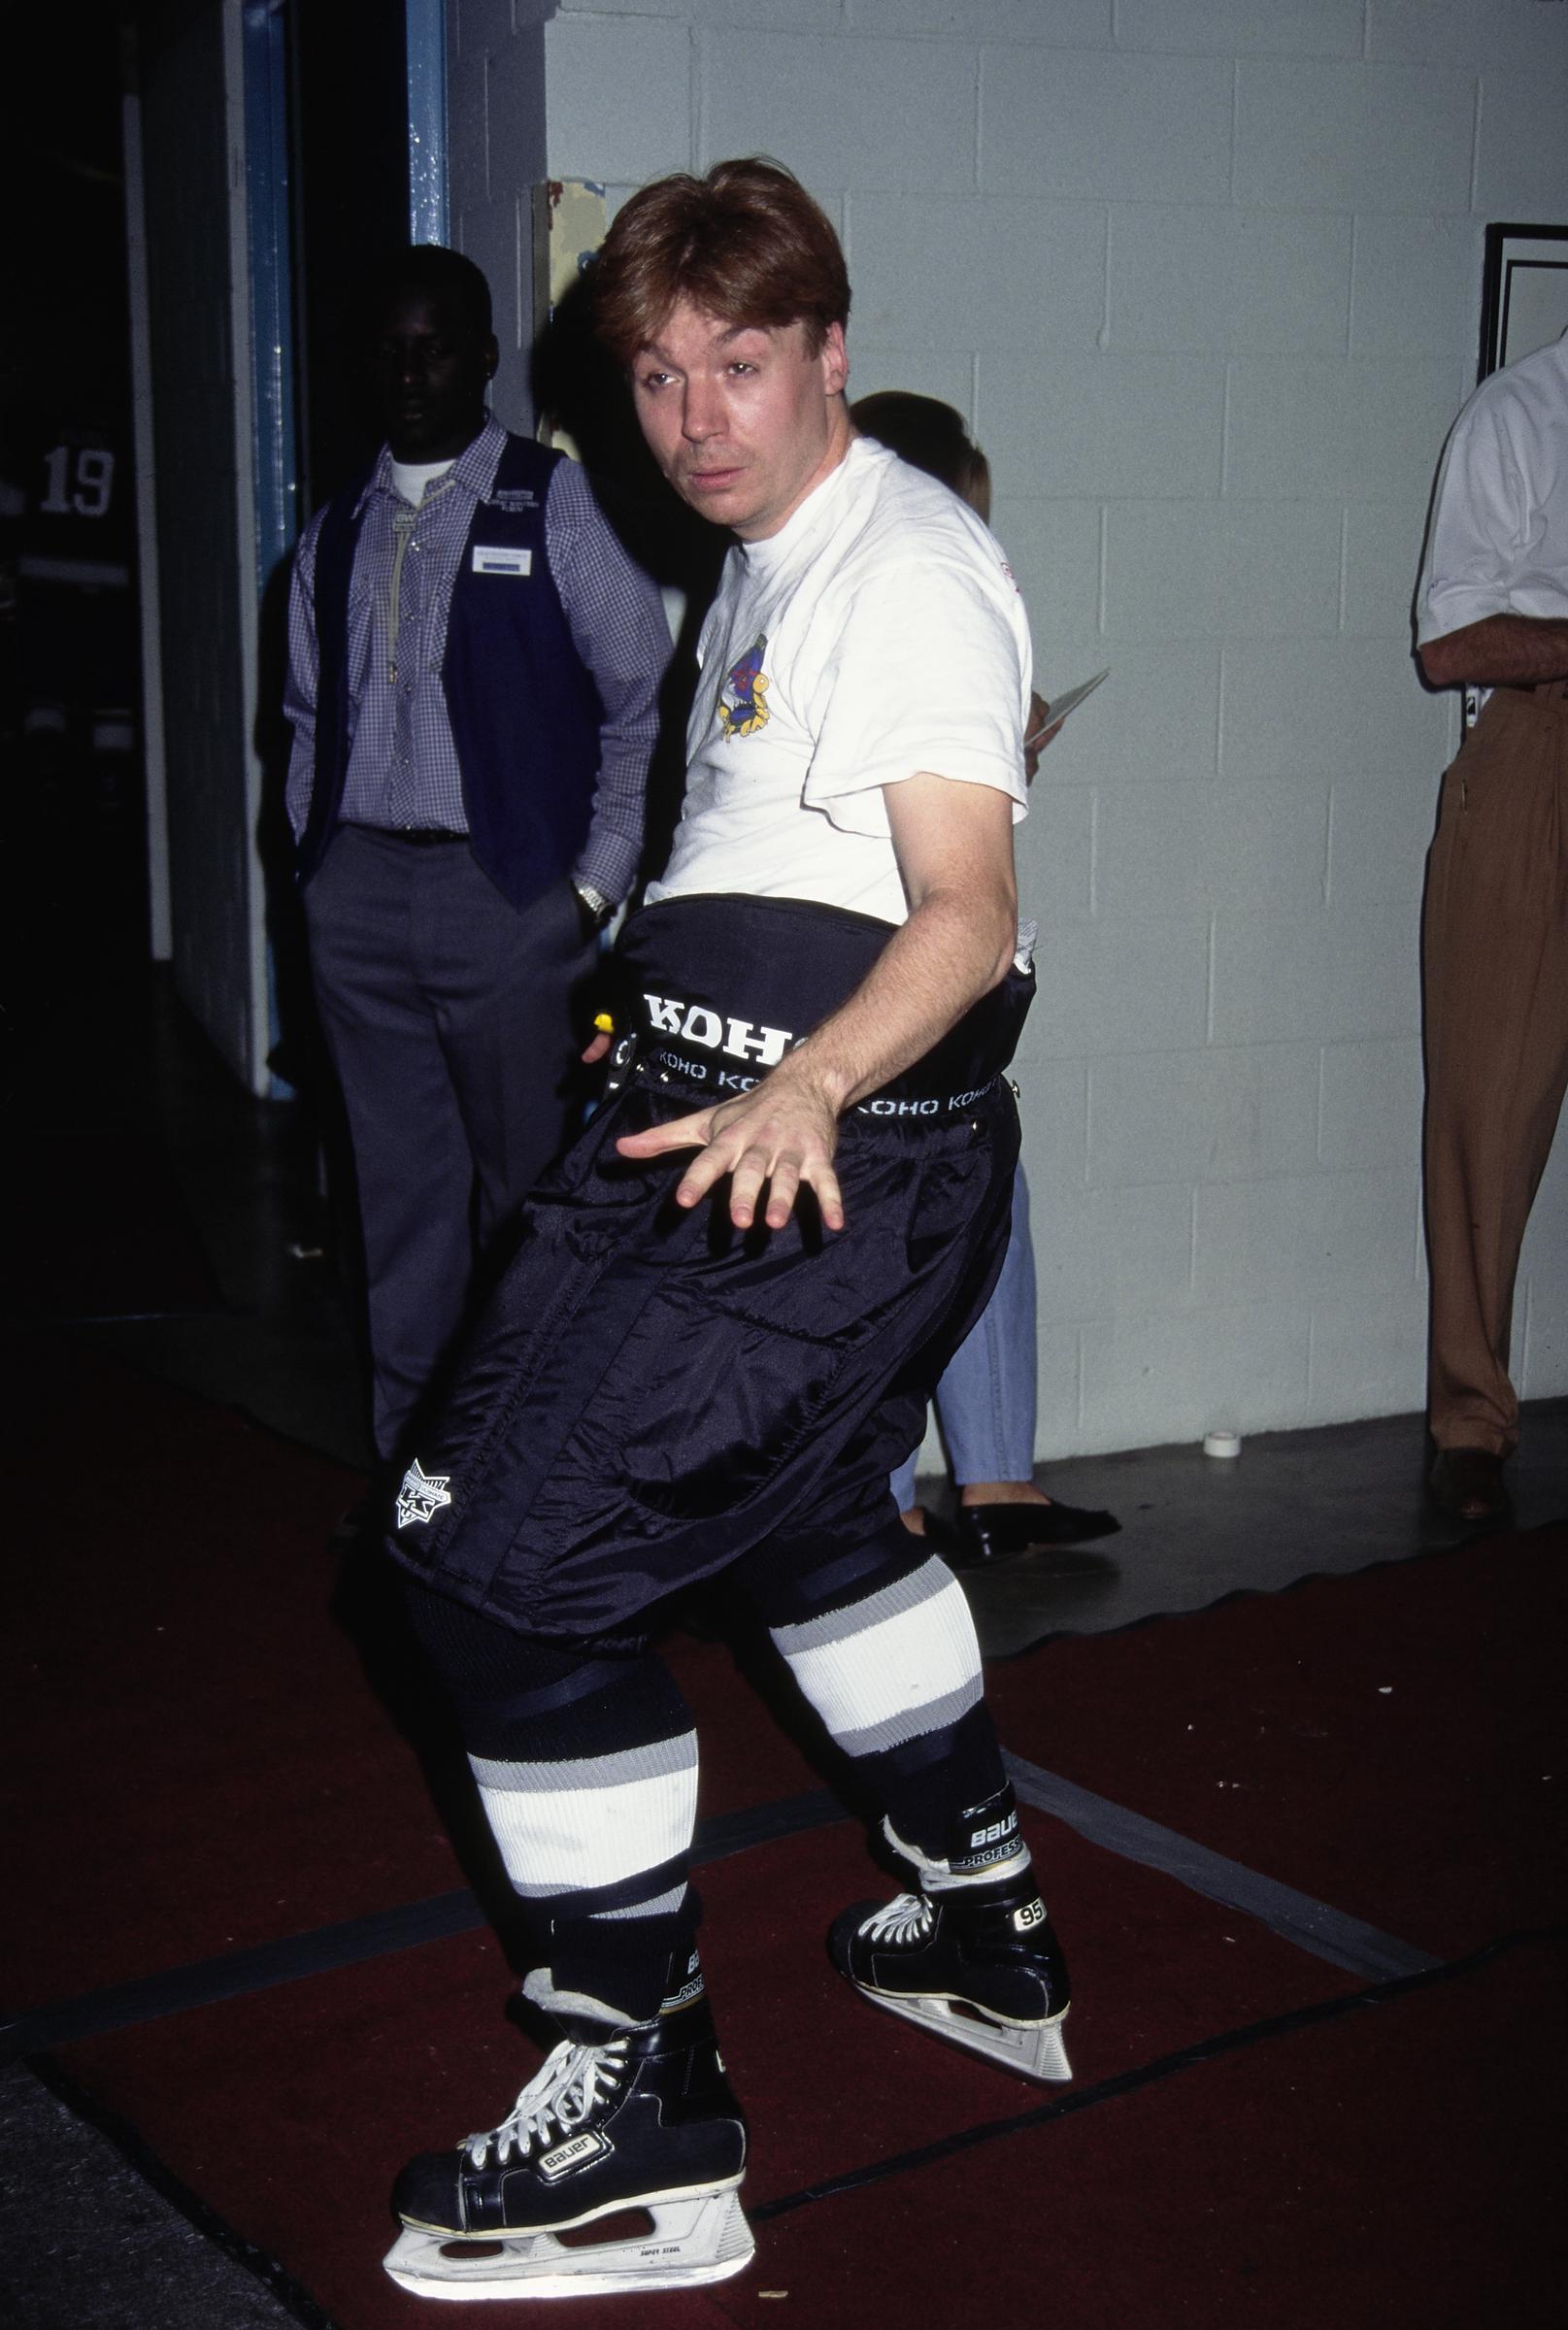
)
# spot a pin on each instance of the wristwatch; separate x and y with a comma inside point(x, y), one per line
point(597, 909)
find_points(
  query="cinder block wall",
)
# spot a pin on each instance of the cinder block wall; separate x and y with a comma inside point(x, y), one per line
point(1205, 274)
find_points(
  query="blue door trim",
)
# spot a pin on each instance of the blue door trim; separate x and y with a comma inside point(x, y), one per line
point(425, 23)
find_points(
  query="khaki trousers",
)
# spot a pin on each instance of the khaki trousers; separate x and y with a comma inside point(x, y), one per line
point(1495, 973)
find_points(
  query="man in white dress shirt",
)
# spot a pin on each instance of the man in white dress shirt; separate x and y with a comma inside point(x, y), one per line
point(1491, 613)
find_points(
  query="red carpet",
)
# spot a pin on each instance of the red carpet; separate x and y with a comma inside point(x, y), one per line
point(207, 1768)
point(1400, 2167)
point(1392, 1742)
point(202, 1747)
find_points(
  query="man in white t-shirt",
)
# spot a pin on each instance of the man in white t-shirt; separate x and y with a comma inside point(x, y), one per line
point(735, 1292)
point(1491, 613)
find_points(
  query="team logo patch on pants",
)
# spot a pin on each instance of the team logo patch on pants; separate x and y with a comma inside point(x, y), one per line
point(422, 1495)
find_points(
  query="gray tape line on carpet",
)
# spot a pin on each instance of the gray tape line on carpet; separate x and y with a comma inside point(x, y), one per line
point(1311, 1926)
point(208, 1982)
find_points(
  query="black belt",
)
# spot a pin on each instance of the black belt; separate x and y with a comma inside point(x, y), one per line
point(422, 836)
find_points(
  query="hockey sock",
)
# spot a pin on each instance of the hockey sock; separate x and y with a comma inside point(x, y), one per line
point(586, 1768)
point(882, 1645)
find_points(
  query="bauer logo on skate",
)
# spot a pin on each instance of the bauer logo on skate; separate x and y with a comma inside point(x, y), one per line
point(422, 1495)
point(576, 2154)
point(997, 1828)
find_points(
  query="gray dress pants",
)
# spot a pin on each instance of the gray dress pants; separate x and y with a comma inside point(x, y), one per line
point(450, 1020)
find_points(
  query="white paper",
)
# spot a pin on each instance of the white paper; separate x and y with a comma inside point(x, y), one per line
point(1059, 707)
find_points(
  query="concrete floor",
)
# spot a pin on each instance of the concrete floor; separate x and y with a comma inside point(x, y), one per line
point(91, 2237)
point(1196, 1527)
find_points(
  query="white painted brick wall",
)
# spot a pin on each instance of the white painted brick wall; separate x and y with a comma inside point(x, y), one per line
point(1232, 1114)
point(1204, 275)
point(1519, 171)
point(1122, 128)
point(1103, 423)
point(935, 256)
point(1220, 570)
point(1379, 574)
point(1541, 1307)
point(1413, 293)
point(1342, 429)
point(1216, 278)
point(1354, 135)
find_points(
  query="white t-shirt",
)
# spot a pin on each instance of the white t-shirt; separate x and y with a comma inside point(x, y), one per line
point(878, 634)
point(415, 478)
point(1499, 539)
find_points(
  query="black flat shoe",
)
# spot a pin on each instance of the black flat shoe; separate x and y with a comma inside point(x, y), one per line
point(988, 1531)
point(937, 1532)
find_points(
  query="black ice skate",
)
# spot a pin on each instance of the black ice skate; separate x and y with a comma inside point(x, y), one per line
point(978, 1965)
point(642, 2119)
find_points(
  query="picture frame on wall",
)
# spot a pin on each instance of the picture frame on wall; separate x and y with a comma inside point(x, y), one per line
point(1524, 292)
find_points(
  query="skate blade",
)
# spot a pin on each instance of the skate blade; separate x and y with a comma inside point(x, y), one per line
point(1035, 2051)
point(703, 2236)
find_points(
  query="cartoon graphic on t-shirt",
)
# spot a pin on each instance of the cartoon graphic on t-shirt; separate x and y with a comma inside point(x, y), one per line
point(741, 708)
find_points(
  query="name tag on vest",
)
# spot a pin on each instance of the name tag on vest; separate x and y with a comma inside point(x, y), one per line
point(495, 558)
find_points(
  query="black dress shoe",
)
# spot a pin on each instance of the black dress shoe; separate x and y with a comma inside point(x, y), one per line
point(939, 1534)
point(1468, 1482)
point(986, 1532)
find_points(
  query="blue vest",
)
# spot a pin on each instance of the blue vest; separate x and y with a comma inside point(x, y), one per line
point(525, 713)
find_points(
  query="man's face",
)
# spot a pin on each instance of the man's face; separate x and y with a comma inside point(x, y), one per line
point(743, 419)
point(430, 369)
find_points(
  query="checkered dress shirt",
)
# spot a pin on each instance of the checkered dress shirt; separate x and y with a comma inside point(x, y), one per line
point(403, 766)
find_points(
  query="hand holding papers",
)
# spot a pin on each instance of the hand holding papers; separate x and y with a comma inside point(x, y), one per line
point(1058, 710)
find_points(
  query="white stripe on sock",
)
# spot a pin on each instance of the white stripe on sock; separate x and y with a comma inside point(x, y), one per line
point(917, 1662)
point(565, 1838)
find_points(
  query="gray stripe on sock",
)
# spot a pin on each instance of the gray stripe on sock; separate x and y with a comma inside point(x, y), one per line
point(924, 1585)
point(1311, 1926)
point(656, 1760)
point(937, 1715)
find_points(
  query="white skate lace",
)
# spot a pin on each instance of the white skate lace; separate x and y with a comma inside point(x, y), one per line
point(905, 1919)
point(559, 2098)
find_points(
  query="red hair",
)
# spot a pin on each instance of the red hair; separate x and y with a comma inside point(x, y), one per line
point(746, 243)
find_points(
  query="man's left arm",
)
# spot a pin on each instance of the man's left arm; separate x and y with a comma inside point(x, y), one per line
point(955, 847)
point(1499, 651)
point(616, 621)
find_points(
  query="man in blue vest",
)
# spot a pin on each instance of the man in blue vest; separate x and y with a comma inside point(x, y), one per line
point(473, 667)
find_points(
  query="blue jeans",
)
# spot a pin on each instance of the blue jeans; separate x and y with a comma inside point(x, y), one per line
point(986, 1401)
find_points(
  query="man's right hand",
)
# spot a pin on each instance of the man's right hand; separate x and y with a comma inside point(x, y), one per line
point(781, 1134)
